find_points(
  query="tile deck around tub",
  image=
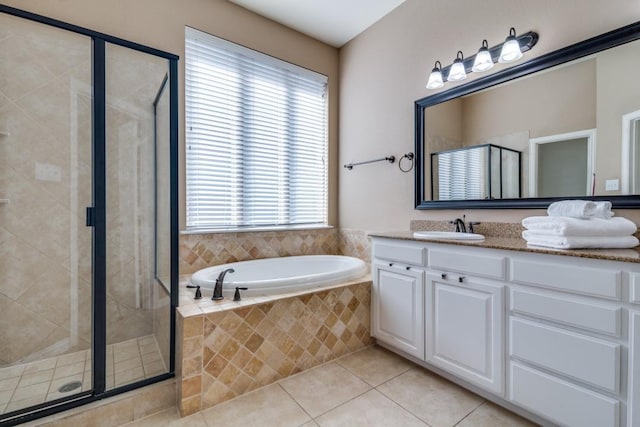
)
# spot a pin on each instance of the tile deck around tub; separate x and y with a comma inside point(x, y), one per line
point(188, 306)
point(37, 382)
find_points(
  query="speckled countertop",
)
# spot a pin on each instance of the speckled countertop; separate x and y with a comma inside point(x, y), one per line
point(507, 236)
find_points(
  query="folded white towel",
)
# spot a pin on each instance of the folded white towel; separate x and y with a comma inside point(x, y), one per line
point(577, 242)
point(565, 226)
point(580, 209)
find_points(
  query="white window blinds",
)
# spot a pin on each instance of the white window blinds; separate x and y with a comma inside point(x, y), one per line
point(256, 138)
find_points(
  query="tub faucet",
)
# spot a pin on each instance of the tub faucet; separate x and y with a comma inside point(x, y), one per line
point(217, 290)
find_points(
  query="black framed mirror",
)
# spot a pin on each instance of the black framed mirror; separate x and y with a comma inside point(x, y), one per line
point(572, 139)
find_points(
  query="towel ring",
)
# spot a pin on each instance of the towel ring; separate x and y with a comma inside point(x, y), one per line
point(408, 156)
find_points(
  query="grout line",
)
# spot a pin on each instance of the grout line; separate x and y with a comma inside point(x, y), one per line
point(294, 399)
point(472, 411)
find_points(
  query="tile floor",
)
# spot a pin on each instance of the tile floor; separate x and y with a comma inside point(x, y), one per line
point(372, 387)
point(37, 382)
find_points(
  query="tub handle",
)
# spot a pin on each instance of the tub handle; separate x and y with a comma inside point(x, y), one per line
point(236, 296)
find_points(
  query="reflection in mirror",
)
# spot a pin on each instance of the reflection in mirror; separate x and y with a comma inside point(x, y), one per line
point(565, 118)
point(483, 172)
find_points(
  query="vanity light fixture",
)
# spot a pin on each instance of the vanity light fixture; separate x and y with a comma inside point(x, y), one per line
point(509, 51)
point(435, 78)
point(483, 61)
point(457, 71)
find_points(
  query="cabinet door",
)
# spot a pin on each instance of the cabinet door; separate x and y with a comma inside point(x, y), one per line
point(397, 311)
point(465, 329)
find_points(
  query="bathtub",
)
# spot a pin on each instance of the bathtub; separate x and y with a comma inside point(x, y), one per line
point(280, 275)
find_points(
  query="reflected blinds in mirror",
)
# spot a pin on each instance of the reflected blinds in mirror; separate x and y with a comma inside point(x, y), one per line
point(460, 175)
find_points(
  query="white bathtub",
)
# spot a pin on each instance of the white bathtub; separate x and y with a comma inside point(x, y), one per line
point(279, 275)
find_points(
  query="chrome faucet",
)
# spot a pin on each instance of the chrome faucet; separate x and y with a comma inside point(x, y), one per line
point(217, 290)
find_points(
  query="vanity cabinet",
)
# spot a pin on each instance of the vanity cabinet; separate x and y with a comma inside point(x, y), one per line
point(398, 297)
point(556, 336)
point(465, 328)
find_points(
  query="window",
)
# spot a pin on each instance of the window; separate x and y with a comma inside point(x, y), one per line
point(256, 138)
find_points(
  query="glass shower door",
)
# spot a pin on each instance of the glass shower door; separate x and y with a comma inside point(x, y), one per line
point(137, 152)
point(45, 186)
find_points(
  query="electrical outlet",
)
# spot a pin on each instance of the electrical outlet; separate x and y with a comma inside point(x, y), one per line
point(48, 172)
point(612, 184)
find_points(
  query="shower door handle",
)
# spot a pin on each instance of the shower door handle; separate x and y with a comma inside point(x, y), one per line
point(90, 220)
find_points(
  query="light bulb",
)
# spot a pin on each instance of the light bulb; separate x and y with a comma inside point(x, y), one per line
point(483, 61)
point(457, 71)
point(510, 49)
point(435, 78)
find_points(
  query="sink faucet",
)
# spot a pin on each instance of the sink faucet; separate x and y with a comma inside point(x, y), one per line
point(217, 290)
point(459, 225)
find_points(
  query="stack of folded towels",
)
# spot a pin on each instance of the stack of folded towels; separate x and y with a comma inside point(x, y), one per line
point(574, 224)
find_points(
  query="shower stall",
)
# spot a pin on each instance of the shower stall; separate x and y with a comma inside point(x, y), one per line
point(88, 215)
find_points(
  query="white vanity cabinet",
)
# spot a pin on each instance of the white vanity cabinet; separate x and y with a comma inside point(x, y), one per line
point(398, 297)
point(554, 337)
point(465, 327)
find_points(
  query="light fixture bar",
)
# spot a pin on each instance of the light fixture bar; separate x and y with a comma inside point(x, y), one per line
point(526, 41)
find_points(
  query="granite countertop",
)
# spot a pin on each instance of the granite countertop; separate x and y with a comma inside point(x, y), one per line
point(507, 236)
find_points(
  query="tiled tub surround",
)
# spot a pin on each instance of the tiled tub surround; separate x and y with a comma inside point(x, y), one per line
point(227, 349)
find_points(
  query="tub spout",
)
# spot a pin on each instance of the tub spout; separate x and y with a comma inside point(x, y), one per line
point(217, 290)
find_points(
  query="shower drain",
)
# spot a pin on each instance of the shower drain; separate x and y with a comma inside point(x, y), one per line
point(65, 388)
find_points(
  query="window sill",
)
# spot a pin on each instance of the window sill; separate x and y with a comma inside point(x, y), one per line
point(255, 230)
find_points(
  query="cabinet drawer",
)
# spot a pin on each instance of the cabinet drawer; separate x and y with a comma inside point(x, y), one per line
point(401, 253)
point(480, 265)
point(587, 359)
point(582, 280)
point(581, 314)
point(560, 401)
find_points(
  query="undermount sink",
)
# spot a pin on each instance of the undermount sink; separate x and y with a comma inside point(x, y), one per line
point(447, 235)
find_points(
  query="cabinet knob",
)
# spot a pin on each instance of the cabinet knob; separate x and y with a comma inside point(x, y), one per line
point(444, 276)
point(390, 264)
point(461, 279)
point(408, 268)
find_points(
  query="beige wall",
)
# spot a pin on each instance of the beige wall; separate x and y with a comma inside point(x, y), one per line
point(160, 24)
point(384, 70)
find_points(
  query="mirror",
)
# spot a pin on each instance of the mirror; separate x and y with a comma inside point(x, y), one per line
point(573, 116)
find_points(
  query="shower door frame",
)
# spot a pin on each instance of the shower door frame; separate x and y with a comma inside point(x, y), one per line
point(96, 218)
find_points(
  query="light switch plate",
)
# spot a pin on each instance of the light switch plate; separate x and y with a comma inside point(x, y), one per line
point(612, 184)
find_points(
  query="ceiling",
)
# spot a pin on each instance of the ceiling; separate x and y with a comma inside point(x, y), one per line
point(334, 22)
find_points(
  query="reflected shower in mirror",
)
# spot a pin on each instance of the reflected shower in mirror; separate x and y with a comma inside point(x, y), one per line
point(482, 172)
point(572, 114)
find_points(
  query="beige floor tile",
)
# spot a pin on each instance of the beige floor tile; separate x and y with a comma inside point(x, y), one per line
point(323, 388)
point(68, 370)
point(71, 358)
point(5, 396)
point(490, 415)
point(310, 424)
point(126, 377)
point(433, 399)
point(40, 366)
point(31, 391)
point(169, 418)
point(370, 409)
point(375, 365)
point(24, 403)
point(265, 407)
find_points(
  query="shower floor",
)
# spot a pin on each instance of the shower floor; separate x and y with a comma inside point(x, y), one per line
point(37, 382)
